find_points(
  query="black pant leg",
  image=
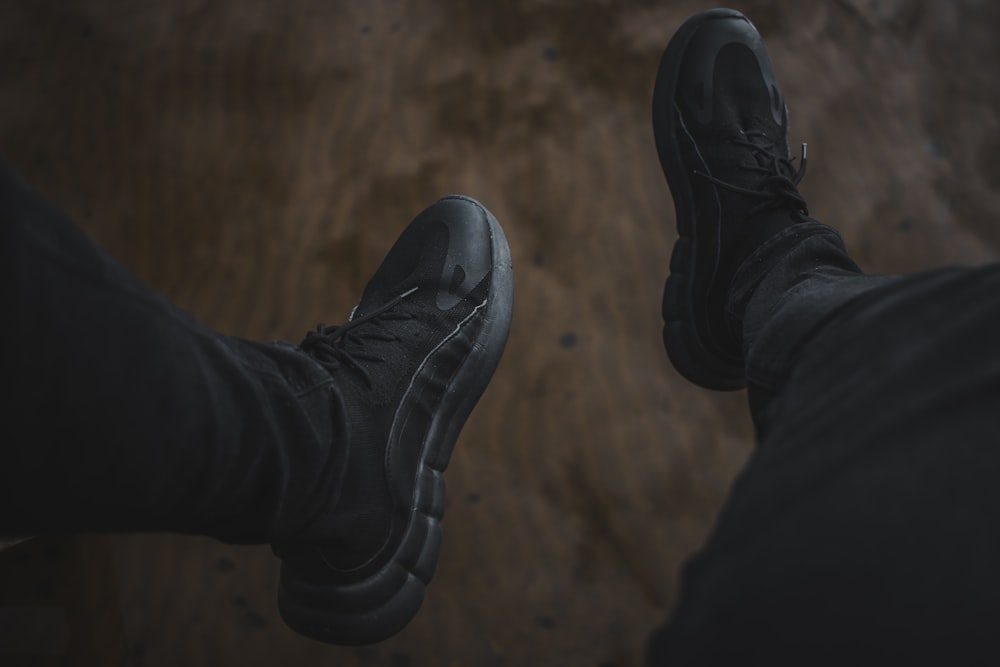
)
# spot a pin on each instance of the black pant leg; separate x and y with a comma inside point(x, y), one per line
point(863, 529)
point(785, 292)
point(125, 413)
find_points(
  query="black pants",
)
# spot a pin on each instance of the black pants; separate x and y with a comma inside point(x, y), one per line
point(866, 525)
point(121, 412)
point(861, 527)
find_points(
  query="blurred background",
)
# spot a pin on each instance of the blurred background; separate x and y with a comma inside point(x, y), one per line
point(254, 160)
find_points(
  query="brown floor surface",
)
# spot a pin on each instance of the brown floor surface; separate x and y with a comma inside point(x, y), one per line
point(254, 160)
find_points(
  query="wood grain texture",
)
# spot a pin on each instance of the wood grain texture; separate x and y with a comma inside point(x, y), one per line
point(254, 160)
point(60, 604)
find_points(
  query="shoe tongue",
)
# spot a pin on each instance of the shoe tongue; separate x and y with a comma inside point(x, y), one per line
point(773, 153)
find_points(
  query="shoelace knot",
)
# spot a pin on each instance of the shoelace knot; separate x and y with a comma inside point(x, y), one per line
point(344, 344)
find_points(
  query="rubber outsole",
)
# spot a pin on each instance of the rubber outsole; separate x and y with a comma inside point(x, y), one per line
point(378, 607)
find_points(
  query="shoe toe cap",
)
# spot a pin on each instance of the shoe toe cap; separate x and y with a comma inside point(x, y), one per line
point(725, 69)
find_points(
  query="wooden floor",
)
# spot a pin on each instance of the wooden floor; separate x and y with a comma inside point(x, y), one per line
point(254, 160)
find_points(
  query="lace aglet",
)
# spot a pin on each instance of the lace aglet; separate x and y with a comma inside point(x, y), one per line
point(408, 292)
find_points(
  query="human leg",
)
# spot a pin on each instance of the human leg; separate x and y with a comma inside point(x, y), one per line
point(130, 415)
point(721, 127)
point(859, 530)
point(862, 528)
point(125, 413)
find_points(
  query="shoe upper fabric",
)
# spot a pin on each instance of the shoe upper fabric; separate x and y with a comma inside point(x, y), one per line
point(721, 130)
point(414, 326)
point(734, 132)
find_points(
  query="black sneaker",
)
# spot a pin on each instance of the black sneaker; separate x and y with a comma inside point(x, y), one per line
point(411, 363)
point(721, 130)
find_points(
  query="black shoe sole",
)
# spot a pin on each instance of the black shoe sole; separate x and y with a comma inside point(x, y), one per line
point(685, 346)
point(378, 607)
